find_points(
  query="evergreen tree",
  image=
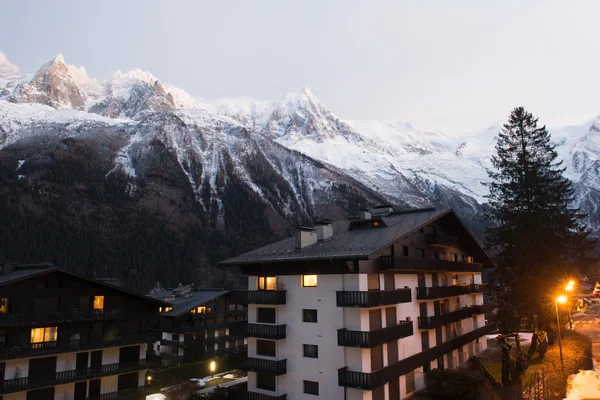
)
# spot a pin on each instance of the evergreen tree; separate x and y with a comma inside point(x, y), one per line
point(535, 233)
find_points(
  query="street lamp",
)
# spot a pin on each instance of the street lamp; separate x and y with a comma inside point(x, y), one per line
point(213, 366)
point(562, 300)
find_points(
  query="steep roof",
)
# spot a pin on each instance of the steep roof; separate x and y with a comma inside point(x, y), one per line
point(352, 244)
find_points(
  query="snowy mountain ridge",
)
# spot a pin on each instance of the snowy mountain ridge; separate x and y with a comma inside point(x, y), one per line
point(403, 164)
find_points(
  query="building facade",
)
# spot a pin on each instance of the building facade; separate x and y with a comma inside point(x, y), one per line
point(195, 327)
point(63, 336)
point(363, 308)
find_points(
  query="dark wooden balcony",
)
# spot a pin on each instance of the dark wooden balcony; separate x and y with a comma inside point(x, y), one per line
point(427, 264)
point(55, 317)
point(240, 392)
point(446, 318)
point(264, 366)
point(39, 381)
point(438, 292)
point(373, 298)
point(274, 297)
point(374, 338)
point(441, 240)
point(127, 394)
point(229, 350)
point(261, 331)
point(391, 373)
point(483, 308)
point(50, 348)
point(219, 313)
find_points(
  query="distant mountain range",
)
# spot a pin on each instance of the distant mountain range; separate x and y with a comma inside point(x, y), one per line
point(80, 156)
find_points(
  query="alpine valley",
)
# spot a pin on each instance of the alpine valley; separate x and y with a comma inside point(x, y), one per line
point(135, 179)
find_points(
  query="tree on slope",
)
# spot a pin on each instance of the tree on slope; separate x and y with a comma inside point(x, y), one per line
point(535, 233)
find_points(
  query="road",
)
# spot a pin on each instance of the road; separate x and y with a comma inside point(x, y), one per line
point(588, 324)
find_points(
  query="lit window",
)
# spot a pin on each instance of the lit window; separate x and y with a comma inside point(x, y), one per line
point(3, 305)
point(309, 281)
point(469, 259)
point(165, 309)
point(40, 335)
point(202, 309)
point(375, 223)
point(267, 283)
point(98, 302)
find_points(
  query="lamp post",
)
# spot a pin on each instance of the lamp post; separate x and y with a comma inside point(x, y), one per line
point(561, 300)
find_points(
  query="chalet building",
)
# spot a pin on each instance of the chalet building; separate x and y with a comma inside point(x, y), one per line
point(195, 327)
point(63, 336)
point(363, 308)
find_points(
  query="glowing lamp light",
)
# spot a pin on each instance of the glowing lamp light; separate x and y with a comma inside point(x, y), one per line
point(569, 287)
point(561, 299)
point(149, 379)
point(213, 366)
point(571, 283)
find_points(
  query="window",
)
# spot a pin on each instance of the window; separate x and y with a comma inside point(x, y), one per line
point(410, 382)
point(41, 335)
point(310, 350)
point(98, 302)
point(309, 315)
point(469, 259)
point(454, 257)
point(420, 253)
point(164, 309)
point(200, 310)
point(309, 281)
point(265, 381)
point(3, 305)
point(267, 283)
point(265, 315)
point(405, 251)
point(266, 348)
point(311, 387)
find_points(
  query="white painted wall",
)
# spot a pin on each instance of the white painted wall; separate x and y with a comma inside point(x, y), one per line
point(110, 356)
point(109, 384)
point(66, 362)
point(16, 368)
point(64, 392)
point(15, 396)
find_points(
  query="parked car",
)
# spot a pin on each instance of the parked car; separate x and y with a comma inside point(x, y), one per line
point(198, 383)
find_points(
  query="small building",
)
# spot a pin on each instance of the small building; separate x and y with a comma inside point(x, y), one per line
point(363, 308)
point(63, 336)
point(195, 326)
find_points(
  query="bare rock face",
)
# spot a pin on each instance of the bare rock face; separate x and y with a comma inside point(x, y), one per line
point(145, 97)
point(52, 85)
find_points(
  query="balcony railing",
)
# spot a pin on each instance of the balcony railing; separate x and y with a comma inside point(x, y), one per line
point(374, 338)
point(261, 365)
point(39, 381)
point(437, 292)
point(240, 392)
point(374, 298)
point(427, 264)
point(446, 318)
point(261, 331)
point(53, 317)
point(127, 394)
point(229, 350)
point(49, 348)
point(483, 308)
point(275, 297)
point(219, 313)
point(391, 373)
point(441, 240)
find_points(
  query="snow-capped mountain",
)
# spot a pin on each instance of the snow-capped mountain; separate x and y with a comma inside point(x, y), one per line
point(395, 160)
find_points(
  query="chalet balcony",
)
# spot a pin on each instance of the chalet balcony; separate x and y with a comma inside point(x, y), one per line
point(441, 240)
point(55, 317)
point(264, 366)
point(446, 318)
point(50, 348)
point(391, 373)
point(373, 298)
point(127, 394)
point(262, 331)
point(240, 392)
point(171, 343)
point(230, 350)
point(39, 381)
point(438, 292)
point(427, 264)
point(374, 338)
point(219, 313)
point(275, 297)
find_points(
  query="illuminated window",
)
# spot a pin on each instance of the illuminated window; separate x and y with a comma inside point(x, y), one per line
point(164, 309)
point(267, 283)
point(98, 302)
point(3, 305)
point(376, 223)
point(309, 281)
point(202, 309)
point(47, 334)
point(469, 259)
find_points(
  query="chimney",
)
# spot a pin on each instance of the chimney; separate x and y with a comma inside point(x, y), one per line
point(364, 213)
point(383, 210)
point(324, 229)
point(305, 236)
point(182, 290)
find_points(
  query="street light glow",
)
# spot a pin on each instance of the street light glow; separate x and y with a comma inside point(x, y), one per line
point(213, 366)
point(571, 283)
point(569, 287)
point(561, 299)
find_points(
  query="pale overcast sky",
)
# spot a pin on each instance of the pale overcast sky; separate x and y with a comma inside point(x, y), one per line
point(453, 64)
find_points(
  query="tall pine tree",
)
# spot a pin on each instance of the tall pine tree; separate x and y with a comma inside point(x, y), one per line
point(536, 234)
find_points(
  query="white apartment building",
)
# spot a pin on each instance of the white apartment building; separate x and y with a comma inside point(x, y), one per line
point(363, 308)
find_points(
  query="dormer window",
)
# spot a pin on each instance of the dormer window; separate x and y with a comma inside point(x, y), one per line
point(98, 302)
point(267, 283)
